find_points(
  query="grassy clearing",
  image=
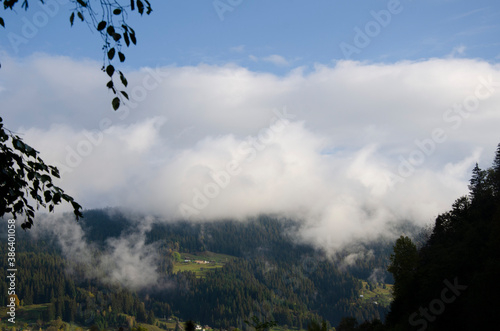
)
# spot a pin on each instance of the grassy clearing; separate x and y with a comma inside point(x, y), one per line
point(199, 269)
point(25, 314)
point(208, 256)
point(150, 327)
point(383, 296)
point(170, 324)
point(188, 262)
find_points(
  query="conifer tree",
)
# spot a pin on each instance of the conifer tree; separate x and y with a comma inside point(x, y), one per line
point(496, 173)
point(403, 262)
point(477, 185)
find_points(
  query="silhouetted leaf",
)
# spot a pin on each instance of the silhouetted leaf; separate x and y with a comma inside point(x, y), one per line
point(124, 94)
point(110, 30)
point(117, 11)
point(54, 171)
point(132, 5)
point(117, 36)
point(111, 53)
point(132, 38)
point(56, 198)
point(80, 15)
point(116, 103)
point(18, 144)
point(2, 23)
point(45, 178)
point(127, 40)
point(82, 3)
point(72, 18)
point(18, 206)
point(149, 9)
point(110, 70)
point(47, 196)
point(75, 205)
point(121, 56)
point(123, 79)
point(101, 25)
point(140, 7)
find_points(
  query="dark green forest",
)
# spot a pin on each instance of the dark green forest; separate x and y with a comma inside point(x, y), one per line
point(271, 277)
point(451, 283)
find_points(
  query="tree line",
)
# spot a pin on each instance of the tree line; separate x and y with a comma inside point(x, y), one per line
point(451, 281)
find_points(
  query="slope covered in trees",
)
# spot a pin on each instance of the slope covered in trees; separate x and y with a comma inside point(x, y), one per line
point(271, 276)
point(451, 283)
point(69, 296)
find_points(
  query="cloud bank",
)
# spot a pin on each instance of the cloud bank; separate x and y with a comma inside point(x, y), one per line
point(349, 148)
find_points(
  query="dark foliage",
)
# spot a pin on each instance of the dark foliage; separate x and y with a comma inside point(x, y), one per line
point(454, 283)
point(23, 176)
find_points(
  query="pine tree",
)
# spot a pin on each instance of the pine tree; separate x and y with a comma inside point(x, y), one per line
point(403, 264)
point(478, 185)
point(151, 318)
point(496, 173)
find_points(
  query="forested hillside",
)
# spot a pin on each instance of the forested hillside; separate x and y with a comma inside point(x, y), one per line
point(451, 283)
point(265, 273)
point(43, 278)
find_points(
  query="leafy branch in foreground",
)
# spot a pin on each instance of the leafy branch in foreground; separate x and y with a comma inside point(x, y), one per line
point(24, 176)
point(110, 21)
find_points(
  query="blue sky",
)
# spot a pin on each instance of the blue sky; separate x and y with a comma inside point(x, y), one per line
point(262, 113)
point(301, 32)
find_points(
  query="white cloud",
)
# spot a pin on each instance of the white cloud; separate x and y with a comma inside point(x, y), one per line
point(275, 59)
point(369, 144)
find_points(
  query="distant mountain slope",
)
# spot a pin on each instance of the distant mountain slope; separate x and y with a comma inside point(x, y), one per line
point(272, 275)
